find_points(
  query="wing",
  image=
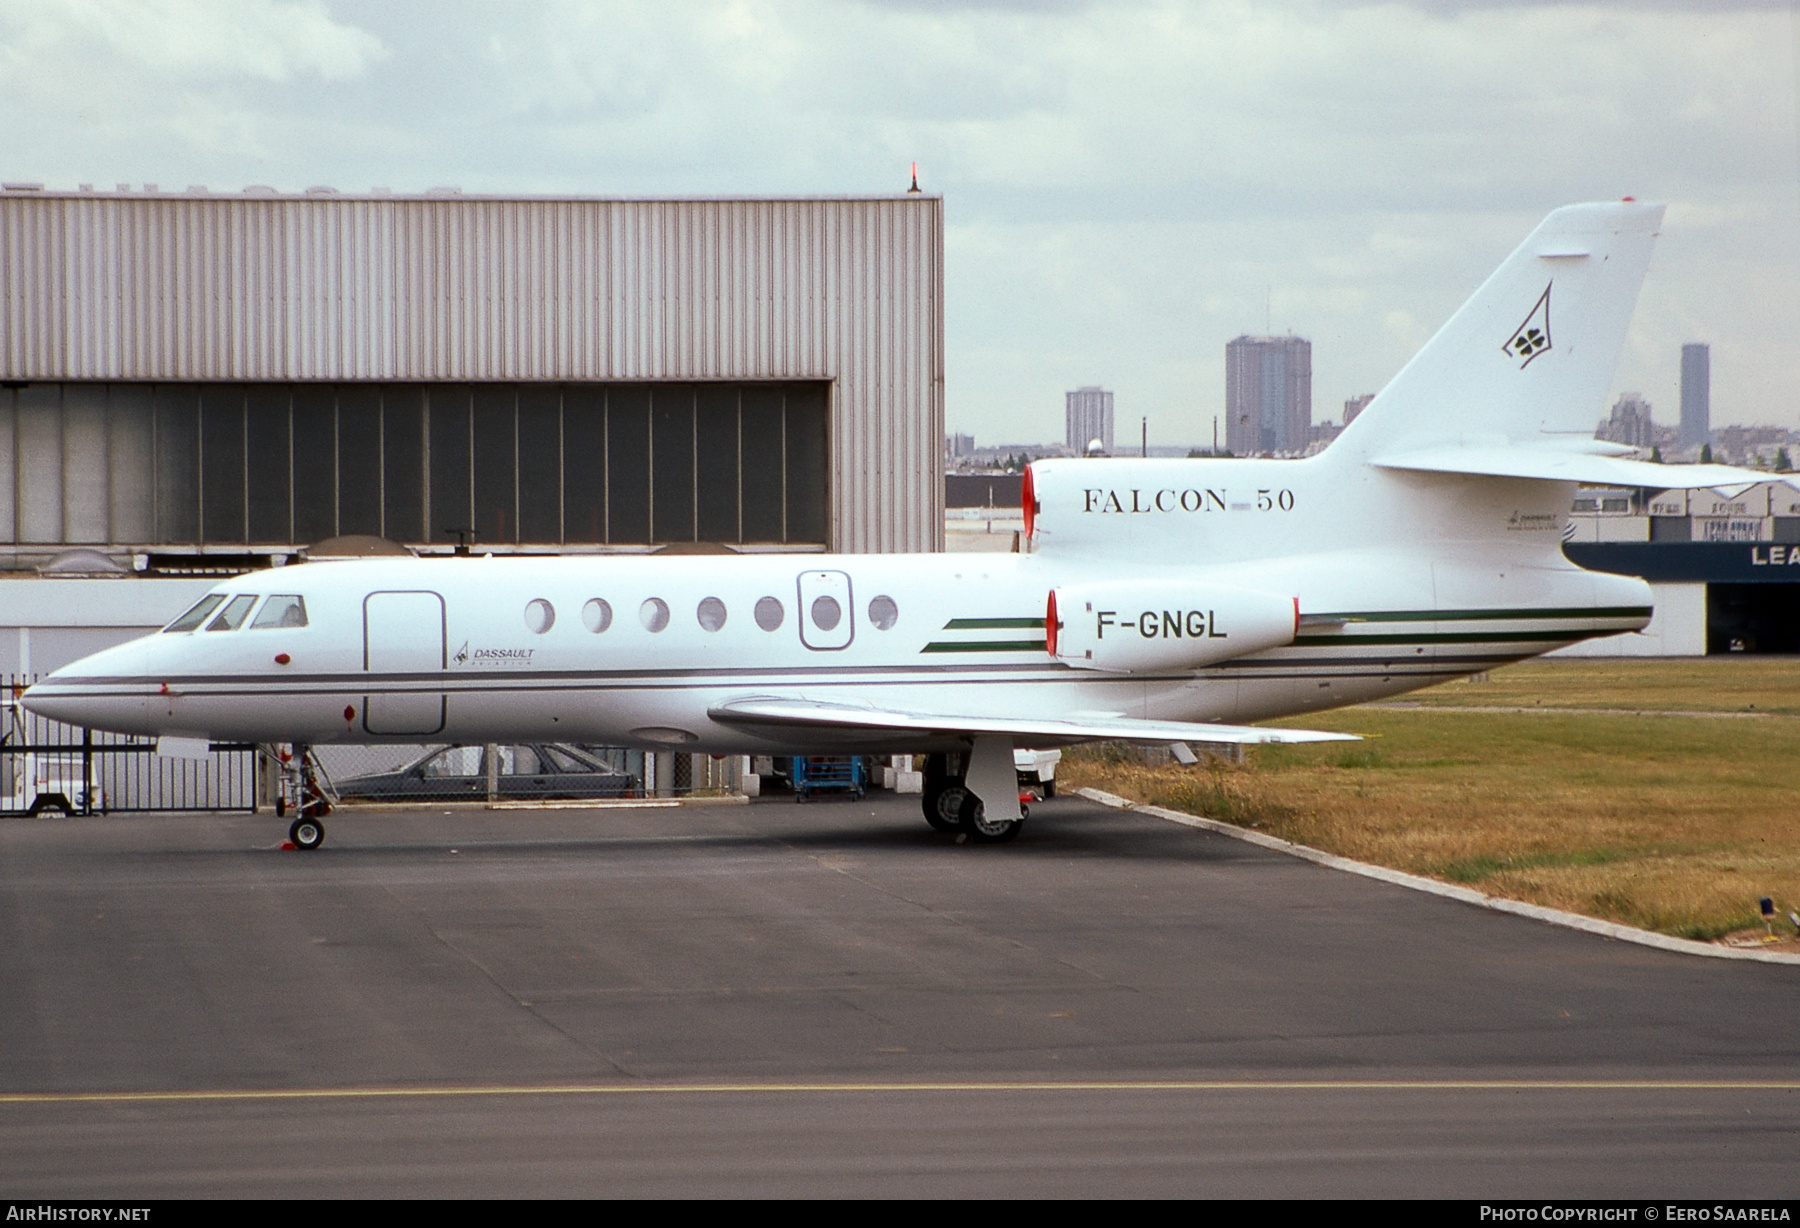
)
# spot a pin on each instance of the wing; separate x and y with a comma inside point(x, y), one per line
point(840, 719)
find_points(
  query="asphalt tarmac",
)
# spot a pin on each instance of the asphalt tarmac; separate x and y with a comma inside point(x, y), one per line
point(832, 999)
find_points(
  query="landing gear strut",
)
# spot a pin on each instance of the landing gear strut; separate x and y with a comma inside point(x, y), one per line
point(303, 789)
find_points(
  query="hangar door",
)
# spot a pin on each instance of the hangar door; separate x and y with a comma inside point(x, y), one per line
point(551, 464)
point(403, 640)
point(1752, 618)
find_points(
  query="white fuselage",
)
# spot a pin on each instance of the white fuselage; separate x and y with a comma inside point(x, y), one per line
point(1401, 581)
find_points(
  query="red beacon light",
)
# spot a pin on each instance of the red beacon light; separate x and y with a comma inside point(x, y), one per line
point(1028, 502)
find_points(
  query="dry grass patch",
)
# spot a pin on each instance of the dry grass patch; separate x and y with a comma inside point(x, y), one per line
point(1676, 824)
point(1685, 684)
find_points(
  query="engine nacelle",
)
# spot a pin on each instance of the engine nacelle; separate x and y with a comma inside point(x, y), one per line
point(1139, 625)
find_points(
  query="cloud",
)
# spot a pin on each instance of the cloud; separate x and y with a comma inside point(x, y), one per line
point(1128, 185)
point(193, 39)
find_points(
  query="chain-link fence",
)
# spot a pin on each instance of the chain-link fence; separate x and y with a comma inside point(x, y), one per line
point(503, 772)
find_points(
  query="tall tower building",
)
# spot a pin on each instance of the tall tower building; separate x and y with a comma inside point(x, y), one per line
point(1088, 416)
point(1696, 395)
point(1268, 394)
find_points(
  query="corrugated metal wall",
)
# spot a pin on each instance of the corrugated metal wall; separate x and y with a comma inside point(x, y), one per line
point(118, 287)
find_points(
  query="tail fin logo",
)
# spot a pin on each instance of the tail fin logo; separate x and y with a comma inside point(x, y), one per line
point(1533, 336)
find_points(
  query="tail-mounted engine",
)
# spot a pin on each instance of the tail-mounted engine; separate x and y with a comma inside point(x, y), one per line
point(1139, 625)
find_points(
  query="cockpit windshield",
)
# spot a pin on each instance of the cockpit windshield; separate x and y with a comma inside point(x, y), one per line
point(197, 615)
point(235, 611)
point(281, 611)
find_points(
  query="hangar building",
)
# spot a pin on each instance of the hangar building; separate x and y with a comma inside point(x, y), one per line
point(194, 384)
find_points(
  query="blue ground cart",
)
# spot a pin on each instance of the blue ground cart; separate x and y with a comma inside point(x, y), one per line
point(816, 772)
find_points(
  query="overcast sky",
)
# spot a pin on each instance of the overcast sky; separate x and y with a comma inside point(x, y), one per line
point(1127, 185)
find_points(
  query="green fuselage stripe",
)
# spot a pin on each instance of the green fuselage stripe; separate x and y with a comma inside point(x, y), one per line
point(1452, 637)
point(984, 646)
point(994, 624)
point(1448, 616)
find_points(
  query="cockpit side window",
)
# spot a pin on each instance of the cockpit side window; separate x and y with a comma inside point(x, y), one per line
point(281, 611)
point(234, 613)
point(197, 615)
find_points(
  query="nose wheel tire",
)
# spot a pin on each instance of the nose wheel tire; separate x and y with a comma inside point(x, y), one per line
point(307, 833)
point(981, 829)
point(943, 808)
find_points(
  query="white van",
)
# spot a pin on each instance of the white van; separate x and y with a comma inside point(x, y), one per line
point(52, 780)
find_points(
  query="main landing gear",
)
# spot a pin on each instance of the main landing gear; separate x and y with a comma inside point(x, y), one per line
point(952, 806)
point(303, 790)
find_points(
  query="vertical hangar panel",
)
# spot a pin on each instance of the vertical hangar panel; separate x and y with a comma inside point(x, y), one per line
point(443, 288)
point(36, 332)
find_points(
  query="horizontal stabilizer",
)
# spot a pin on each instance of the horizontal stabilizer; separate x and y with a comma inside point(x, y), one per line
point(840, 719)
point(1564, 465)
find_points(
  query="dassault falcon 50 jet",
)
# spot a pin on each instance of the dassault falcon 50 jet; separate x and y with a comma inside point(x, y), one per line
point(1155, 601)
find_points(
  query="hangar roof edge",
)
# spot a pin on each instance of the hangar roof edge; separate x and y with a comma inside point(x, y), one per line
point(38, 193)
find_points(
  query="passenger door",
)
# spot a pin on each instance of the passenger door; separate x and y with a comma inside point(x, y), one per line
point(403, 645)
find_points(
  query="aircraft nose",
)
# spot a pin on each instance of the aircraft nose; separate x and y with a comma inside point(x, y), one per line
point(96, 692)
point(76, 704)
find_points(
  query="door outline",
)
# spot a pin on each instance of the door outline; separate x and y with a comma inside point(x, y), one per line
point(395, 709)
point(812, 585)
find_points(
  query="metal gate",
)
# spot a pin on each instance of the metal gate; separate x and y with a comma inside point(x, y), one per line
point(45, 764)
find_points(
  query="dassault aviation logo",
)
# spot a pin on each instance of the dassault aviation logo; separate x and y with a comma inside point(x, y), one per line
point(1533, 336)
point(1530, 522)
point(492, 658)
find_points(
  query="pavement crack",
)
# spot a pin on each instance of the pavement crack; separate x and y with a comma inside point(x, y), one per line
point(529, 1008)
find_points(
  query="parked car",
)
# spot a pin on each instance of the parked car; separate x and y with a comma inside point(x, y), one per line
point(529, 772)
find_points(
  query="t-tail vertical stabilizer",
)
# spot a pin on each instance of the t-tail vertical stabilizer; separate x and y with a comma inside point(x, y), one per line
point(1527, 361)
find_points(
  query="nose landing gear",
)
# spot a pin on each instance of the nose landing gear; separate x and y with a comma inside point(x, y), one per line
point(305, 788)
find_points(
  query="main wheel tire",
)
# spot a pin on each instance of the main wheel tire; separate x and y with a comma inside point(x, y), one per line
point(1049, 789)
point(983, 831)
point(307, 833)
point(943, 808)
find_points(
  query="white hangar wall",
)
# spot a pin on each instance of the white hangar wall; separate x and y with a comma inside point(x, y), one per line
point(197, 288)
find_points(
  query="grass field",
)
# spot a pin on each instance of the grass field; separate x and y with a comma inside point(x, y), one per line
point(1674, 823)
